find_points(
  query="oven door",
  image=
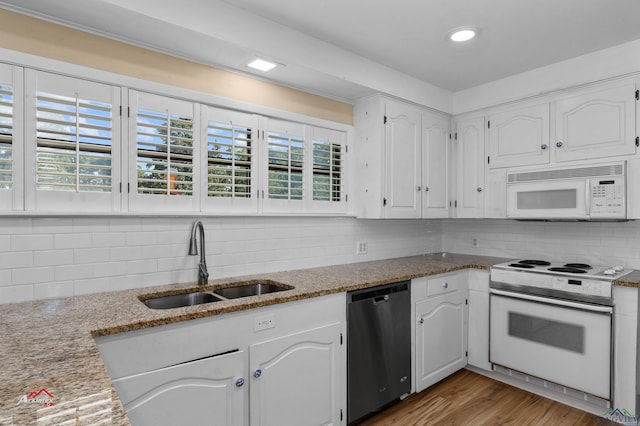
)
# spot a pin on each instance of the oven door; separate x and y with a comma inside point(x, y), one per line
point(561, 199)
point(568, 343)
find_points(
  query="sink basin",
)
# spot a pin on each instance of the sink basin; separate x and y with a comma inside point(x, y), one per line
point(253, 289)
point(181, 300)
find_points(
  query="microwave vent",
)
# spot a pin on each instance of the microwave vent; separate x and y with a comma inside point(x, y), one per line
point(581, 172)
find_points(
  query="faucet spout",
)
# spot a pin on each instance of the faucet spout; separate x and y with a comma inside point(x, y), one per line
point(203, 273)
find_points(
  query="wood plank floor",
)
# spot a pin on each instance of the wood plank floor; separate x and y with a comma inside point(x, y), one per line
point(468, 398)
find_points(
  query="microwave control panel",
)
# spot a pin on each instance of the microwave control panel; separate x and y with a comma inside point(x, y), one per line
point(608, 197)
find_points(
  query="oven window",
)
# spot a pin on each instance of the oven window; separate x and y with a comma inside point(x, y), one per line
point(548, 332)
point(548, 199)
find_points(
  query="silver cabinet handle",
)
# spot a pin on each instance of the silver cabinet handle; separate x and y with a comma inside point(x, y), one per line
point(240, 382)
point(479, 189)
point(543, 146)
point(257, 373)
point(559, 144)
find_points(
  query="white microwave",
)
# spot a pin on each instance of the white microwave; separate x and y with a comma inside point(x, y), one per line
point(595, 192)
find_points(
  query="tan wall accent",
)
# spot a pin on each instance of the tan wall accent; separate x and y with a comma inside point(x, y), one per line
point(34, 36)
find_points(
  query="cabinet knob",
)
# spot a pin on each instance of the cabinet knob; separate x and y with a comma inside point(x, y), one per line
point(559, 144)
point(543, 146)
point(446, 285)
point(419, 188)
point(426, 189)
point(240, 382)
point(479, 189)
point(257, 373)
point(421, 320)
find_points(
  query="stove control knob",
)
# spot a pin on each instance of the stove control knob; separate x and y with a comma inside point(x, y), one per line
point(609, 272)
point(618, 268)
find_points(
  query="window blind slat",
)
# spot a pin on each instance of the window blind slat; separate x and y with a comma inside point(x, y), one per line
point(6, 137)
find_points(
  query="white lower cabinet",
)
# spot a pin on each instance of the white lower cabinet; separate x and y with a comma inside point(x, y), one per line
point(210, 389)
point(273, 366)
point(295, 379)
point(478, 343)
point(441, 327)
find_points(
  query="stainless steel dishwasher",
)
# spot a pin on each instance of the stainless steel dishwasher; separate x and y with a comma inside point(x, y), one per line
point(378, 348)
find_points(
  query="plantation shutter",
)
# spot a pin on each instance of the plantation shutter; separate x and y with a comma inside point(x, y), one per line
point(328, 171)
point(231, 156)
point(73, 131)
point(285, 164)
point(164, 131)
point(6, 136)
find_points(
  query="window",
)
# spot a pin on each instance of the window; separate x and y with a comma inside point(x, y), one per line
point(74, 144)
point(72, 137)
point(165, 153)
point(286, 157)
point(6, 137)
point(229, 160)
point(327, 171)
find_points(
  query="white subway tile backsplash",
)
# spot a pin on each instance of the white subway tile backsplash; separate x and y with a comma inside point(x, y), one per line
point(56, 257)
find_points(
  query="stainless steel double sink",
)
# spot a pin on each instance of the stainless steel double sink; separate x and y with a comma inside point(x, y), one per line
point(234, 291)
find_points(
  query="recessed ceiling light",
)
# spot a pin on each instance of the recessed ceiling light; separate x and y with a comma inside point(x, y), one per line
point(462, 34)
point(262, 65)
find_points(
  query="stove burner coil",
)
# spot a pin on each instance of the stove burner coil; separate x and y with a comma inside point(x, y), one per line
point(568, 270)
point(521, 265)
point(535, 262)
point(578, 265)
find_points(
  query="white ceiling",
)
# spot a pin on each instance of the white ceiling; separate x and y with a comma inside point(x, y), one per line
point(350, 48)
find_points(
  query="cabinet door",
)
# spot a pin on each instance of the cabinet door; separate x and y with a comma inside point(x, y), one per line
point(519, 137)
point(295, 379)
point(207, 391)
point(596, 124)
point(435, 162)
point(470, 170)
point(441, 338)
point(402, 156)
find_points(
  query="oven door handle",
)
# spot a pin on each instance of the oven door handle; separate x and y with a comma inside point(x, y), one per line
point(550, 301)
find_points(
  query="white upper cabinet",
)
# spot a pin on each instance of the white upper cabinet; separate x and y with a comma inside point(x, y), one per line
point(596, 123)
point(328, 165)
point(519, 137)
point(11, 137)
point(403, 156)
point(435, 165)
point(230, 148)
point(72, 144)
point(470, 167)
point(402, 178)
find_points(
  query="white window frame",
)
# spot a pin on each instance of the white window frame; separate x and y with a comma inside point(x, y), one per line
point(69, 201)
point(230, 204)
point(168, 202)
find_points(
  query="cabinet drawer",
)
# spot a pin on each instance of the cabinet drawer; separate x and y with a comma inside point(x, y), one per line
point(444, 284)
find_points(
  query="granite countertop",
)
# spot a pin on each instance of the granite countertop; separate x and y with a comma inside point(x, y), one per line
point(47, 347)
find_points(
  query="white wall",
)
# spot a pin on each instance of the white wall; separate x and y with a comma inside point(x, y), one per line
point(54, 257)
point(596, 243)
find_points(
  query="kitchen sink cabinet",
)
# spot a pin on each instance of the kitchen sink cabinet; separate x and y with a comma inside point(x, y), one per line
point(278, 365)
point(403, 160)
point(441, 321)
point(210, 390)
point(295, 380)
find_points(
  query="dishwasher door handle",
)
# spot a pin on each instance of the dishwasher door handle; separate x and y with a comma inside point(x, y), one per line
point(380, 299)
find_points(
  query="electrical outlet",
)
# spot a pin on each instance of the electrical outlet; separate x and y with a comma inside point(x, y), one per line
point(264, 322)
point(474, 242)
point(362, 247)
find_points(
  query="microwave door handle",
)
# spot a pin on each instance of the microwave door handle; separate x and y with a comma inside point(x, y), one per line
point(587, 198)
